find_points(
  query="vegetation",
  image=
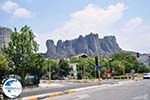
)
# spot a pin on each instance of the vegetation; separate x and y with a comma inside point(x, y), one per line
point(63, 69)
point(52, 67)
point(124, 62)
point(22, 59)
point(22, 52)
point(3, 66)
point(85, 67)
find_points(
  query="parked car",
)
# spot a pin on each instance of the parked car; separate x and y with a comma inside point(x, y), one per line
point(146, 76)
point(11, 76)
point(31, 80)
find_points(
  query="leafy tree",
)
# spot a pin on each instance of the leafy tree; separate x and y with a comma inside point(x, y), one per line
point(85, 67)
point(143, 69)
point(103, 62)
point(22, 50)
point(118, 67)
point(63, 68)
point(37, 65)
point(3, 66)
point(127, 60)
point(51, 65)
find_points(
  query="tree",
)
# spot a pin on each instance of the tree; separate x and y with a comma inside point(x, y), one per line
point(3, 66)
point(21, 50)
point(105, 64)
point(125, 59)
point(37, 65)
point(63, 68)
point(85, 67)
point(143, 69)
point(52, 65)
point(118, 67)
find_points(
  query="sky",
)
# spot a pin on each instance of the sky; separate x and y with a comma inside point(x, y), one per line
point(128, 20)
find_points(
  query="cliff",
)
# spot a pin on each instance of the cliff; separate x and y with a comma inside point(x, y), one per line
point(90, 44)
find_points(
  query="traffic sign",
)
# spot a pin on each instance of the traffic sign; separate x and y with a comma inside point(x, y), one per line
point(132, 71)
point(98, 68)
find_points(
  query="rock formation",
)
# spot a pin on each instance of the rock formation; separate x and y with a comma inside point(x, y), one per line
point(90, 44)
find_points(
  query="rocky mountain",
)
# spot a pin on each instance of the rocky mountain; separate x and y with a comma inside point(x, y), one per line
point(90, 44)
point(4, 36)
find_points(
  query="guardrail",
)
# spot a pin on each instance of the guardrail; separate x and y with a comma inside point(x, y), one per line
point(121, 77)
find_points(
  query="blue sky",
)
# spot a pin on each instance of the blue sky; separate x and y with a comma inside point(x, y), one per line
point(128, 20)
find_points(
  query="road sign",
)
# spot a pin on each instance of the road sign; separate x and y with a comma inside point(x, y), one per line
point(12, 88)
point(132, 71)
point(98, 68)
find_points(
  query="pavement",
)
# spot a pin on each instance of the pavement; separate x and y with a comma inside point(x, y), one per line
point(60, 88)
point(126, 90)
point(43, 86)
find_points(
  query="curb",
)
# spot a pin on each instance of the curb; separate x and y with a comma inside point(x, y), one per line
point(70, 91)
point(50, 95)
point(54, 94)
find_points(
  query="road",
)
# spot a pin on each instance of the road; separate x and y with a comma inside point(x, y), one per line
point(137, 90)
point(66, 86)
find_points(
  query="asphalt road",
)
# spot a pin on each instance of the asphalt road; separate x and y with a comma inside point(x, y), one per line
point(66, 86)
point(137, 90)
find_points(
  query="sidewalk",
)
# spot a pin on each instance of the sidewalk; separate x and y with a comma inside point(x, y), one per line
point(58, 83)
point(73, 81)
point(43, 85)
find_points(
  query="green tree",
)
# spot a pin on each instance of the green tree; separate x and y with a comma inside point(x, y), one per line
point(21, 50)
point(143, 69)
point(85, 67)
point(127, 60)
point(118, 67)
point(105, 64)
point(52, 66)
point(37, 65)
point(3, 66)
point(63, 68)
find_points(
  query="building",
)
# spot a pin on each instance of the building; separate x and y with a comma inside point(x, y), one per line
point(4, 36)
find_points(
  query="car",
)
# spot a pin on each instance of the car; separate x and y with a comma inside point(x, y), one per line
point(11, 76)
point(31, 80)
point(146, 76)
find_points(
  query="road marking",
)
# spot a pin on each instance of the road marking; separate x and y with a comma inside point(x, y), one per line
point(141, 97)
point(82, 96)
